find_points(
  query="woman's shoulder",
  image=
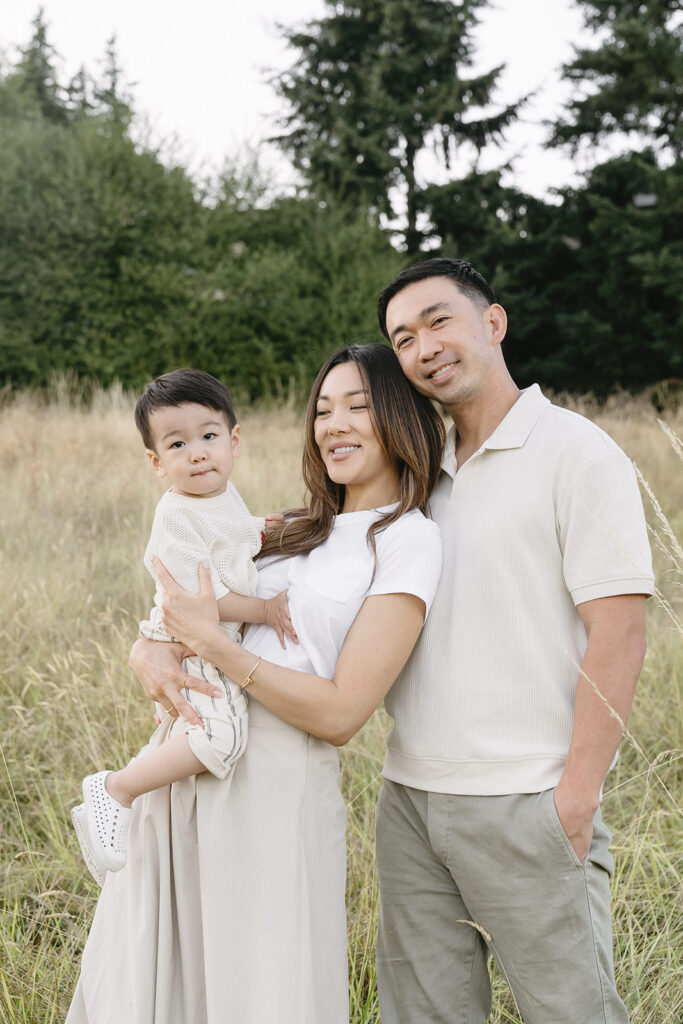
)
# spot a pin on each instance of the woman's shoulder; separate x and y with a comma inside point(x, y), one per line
point(413, 535)
point(413, 524)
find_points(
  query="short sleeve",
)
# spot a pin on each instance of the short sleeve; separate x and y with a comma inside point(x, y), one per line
point(177, 542)
point(603, 533)
point(409, 559)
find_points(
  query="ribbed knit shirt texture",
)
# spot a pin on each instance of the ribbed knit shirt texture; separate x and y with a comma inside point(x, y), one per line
point(188, 530)
point(544, 516)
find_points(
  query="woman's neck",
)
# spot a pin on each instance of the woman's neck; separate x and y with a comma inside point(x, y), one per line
point(375, 494)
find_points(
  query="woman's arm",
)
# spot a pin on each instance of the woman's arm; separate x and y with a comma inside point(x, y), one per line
point(375, 650)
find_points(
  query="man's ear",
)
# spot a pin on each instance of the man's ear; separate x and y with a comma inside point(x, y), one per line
point(496, 320)
point(236, 441)
point(155, 462)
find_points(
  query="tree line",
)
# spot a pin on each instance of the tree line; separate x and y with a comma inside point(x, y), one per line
point(117, 263)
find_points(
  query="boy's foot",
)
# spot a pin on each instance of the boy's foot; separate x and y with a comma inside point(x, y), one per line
point(81, 828)
point(107, 823)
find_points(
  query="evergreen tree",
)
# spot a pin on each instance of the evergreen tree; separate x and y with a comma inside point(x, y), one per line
point(110, 94)
point(635, 75)
point(35, 75)
point(374, 83)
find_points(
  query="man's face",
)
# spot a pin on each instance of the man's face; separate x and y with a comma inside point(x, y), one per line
point(447, 344)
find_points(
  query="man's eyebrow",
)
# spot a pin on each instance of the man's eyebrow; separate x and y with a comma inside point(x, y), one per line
point(427, 311)
point(347, 394)
point(202, 426)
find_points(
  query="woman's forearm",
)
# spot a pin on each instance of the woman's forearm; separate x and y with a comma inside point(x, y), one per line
point(374, 652)
point(304, 700)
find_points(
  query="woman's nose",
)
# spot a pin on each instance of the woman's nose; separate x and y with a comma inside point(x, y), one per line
point(338, 421)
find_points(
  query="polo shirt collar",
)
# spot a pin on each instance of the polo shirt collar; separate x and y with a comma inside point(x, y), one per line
point(511, 432)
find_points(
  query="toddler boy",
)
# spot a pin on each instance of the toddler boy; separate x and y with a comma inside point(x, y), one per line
point(188, 425)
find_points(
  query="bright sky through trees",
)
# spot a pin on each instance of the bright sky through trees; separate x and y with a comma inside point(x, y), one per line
point(199, 70)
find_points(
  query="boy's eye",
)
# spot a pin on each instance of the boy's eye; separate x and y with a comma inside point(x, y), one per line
point(177, 444)
point(208, 436)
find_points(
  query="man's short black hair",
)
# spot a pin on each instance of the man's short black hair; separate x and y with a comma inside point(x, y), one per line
point(179, 388)
point(469, 281)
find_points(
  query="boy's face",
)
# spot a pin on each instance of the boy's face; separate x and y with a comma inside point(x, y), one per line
point(194, 447)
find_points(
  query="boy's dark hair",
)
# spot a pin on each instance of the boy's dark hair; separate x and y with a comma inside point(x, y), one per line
point(178, 388)
point(469, 281)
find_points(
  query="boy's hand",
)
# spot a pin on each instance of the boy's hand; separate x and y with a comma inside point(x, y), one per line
point(274, 519)
point(276, 615)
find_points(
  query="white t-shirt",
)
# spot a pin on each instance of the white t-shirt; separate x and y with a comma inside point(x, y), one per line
point(327, 586)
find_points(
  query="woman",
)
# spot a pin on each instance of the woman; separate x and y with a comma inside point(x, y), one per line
point(241, 916)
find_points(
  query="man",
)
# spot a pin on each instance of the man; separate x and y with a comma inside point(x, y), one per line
point(510, 710)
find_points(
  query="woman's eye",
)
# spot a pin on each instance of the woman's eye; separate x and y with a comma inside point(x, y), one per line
point(356, 407)
point(321, 412)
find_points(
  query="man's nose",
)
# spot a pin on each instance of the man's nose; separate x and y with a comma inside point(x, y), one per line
point(428, 345)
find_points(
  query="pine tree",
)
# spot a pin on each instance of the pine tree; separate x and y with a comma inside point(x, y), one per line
point(112, 97)
point(35, 75)
point(375, 82)
point(635, 76)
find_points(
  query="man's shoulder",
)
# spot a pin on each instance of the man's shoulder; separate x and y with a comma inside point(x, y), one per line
point(565, 434)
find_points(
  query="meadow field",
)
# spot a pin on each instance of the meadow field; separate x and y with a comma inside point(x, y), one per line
point(76, 504)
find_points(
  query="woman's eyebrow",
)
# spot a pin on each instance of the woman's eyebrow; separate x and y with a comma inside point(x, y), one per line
point(347, 394)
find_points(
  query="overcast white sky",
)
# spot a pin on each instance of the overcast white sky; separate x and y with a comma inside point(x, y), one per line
point(199, 69)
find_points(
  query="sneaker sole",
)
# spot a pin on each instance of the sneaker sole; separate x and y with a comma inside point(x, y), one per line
point(107, 861)
point(80, 825)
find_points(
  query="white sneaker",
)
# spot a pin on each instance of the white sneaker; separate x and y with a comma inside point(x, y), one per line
point(107, 823)
point(81, 828)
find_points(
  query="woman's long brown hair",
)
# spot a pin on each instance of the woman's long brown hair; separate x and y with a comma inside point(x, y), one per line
point(409, 430)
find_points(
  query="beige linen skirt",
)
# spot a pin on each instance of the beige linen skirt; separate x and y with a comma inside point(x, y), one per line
point(231, 905)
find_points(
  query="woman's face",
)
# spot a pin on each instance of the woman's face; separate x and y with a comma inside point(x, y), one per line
point(347, 441)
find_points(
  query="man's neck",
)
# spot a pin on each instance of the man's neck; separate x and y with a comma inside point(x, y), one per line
point(476, 419)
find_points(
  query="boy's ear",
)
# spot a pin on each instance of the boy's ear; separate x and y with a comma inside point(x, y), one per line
point(236, 441)
point(156, 462)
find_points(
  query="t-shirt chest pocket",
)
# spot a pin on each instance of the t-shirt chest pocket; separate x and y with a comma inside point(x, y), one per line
point(339, 580)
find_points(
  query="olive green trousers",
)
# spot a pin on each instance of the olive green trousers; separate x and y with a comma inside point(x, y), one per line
point(466, 877)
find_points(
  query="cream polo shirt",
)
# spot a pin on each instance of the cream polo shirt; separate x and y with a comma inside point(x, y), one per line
point(544, 516)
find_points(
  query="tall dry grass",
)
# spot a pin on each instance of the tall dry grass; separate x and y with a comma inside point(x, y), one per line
point(75, 509)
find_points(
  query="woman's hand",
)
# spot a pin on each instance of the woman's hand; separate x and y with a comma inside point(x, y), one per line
point(158, 667)
point(189, 617)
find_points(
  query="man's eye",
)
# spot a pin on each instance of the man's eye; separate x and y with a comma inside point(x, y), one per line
point(402, 342)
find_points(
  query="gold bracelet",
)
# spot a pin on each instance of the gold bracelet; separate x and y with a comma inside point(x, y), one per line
point(250, 678)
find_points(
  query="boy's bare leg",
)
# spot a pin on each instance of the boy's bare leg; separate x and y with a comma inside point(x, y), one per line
point(169, 762)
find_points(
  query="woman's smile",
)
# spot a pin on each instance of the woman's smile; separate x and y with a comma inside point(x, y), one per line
point(348, 445)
